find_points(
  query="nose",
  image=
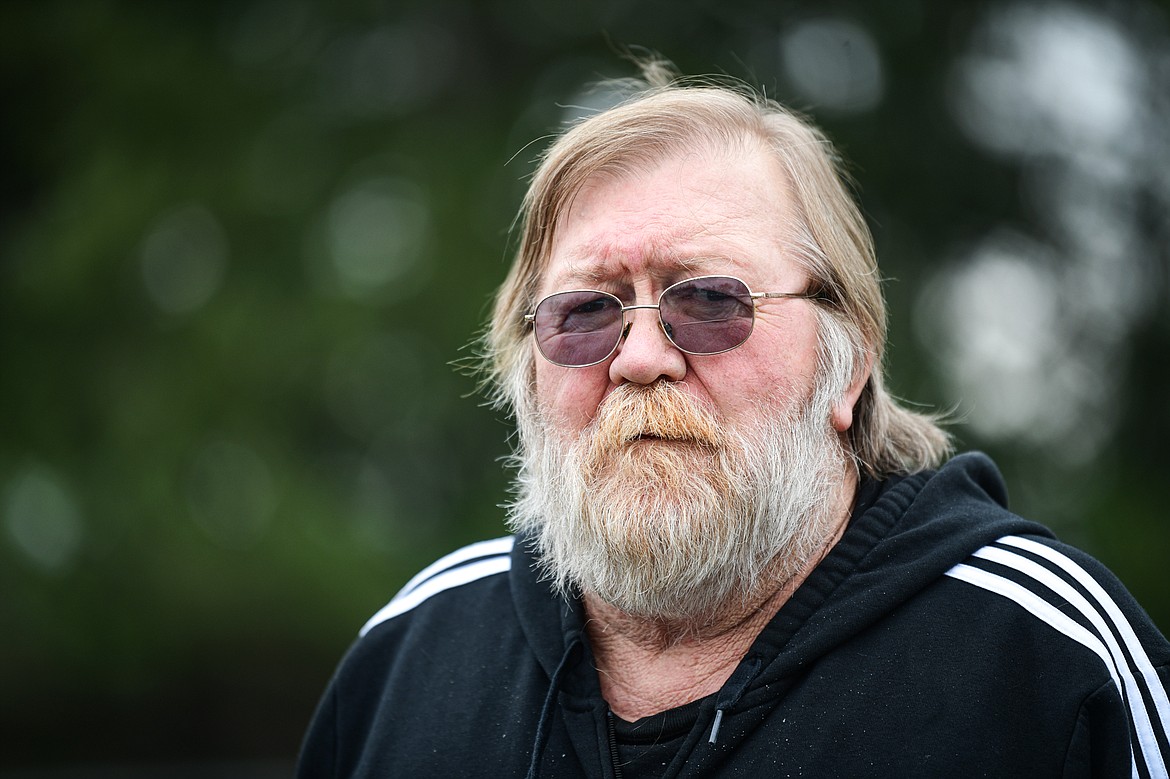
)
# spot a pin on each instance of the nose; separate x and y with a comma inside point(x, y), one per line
point(645, 354)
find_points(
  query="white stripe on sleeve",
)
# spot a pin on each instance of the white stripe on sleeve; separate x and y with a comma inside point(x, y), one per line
point(1044, 611)
point(470, 552)
point(1138, 712)
point(442, 576)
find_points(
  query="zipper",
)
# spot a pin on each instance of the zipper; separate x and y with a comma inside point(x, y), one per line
point(613, 750)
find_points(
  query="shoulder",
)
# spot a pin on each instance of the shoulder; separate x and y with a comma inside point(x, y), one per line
point(449, 643)
point(1070, 598)
point(1065, 589)
point(479, 562)
point(1060, 586)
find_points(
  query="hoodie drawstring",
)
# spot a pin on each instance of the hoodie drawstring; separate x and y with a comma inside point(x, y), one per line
point(545, 724)
point(732, 691)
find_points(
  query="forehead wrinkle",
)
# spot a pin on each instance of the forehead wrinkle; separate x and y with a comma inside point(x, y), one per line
point(598, 261)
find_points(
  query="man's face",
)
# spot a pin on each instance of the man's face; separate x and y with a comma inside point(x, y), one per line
point(724, 212)
point(673, 486)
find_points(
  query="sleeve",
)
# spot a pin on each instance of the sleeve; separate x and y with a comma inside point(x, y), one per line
point(1101, 741)
point(1121, 726)
point(1108, 741)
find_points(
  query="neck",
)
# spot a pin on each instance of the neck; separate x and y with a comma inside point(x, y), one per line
point(647, 665)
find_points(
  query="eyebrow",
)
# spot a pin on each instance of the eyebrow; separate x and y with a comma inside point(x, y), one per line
point(661, 266)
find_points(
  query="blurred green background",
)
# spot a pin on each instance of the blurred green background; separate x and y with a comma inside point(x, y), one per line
point(243, 243)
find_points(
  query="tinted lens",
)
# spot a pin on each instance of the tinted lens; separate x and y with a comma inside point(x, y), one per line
point(708, 315)
point(578, 328)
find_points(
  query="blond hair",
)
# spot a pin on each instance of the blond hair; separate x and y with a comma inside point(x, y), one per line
point(830, 240)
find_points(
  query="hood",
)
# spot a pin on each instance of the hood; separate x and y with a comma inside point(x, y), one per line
point(905, 534)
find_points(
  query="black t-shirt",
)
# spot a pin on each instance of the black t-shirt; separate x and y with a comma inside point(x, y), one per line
point(647, 746)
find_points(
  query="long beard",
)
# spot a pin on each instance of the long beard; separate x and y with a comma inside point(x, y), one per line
point(662, 513)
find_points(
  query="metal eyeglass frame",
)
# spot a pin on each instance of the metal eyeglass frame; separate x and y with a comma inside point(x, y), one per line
point(627, 324)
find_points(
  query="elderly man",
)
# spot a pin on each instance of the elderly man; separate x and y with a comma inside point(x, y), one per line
point(734, 554)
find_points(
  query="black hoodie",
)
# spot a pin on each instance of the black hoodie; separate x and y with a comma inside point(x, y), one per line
point(941, 636)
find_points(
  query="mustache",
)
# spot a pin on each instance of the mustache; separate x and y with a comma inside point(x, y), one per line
point(660, 410)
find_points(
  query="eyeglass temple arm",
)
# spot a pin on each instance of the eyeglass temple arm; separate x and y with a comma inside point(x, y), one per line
point(802, 295)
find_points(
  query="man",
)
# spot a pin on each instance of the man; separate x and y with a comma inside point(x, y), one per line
point(733, 553)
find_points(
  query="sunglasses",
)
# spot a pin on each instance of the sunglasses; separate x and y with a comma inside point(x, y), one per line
point(704, 315)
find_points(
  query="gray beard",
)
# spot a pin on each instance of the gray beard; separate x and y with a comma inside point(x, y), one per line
point(684, 526)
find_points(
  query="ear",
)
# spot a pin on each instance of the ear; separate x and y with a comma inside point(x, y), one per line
point(841, 415)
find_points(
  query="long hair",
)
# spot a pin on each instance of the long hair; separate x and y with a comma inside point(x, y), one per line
point(666, 116)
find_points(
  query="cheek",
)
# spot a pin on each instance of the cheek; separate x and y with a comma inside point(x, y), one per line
point(773, 368)
point(570, 396)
